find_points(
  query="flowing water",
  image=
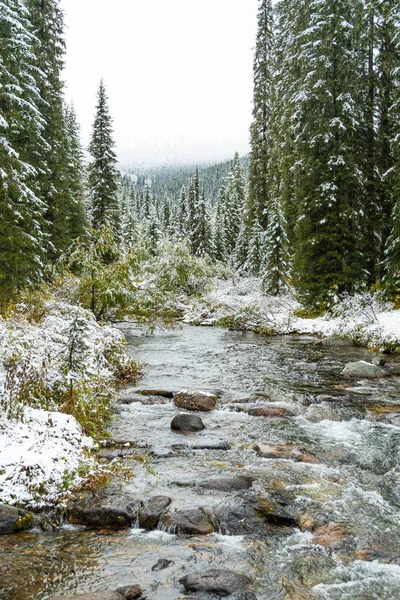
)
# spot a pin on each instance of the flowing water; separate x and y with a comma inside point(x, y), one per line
point(348, 496)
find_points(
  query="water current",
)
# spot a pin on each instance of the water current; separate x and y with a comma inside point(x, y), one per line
point(337, 463)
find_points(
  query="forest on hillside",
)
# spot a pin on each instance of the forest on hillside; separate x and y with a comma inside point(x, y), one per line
point(315, 205)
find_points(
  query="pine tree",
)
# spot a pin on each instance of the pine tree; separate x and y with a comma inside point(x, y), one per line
point(256, 253)
point(260, 128)
point(49, 48)
point(220, 252)
point(234, 199)
point(276, 267)
point(329, 181)
point(22, 241)
point(388, 111)
point(392, 259)
point(201, 240)
point(182, 213)
point(77, 218)
point(103, 174)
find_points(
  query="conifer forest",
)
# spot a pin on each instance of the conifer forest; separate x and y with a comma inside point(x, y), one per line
point(199, 359)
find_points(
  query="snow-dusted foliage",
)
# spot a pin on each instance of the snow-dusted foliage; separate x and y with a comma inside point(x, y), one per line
point(365, 319)
point(66, 362)
point(41, 456)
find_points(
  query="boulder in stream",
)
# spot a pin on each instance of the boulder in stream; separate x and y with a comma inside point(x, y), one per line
point(285, 452)
point(187, 423)
point(194, 521)
point(130, 592)
point(271, 411)
point(200, 401)
point(14, 519)
point(365, 370)
point(109, 508)
point(162, 564)
point(228, 483)
point(221, 582)
point(151, 511)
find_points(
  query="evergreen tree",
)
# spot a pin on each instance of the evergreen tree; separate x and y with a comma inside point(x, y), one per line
point(276, 268)
point(103, 174)
point(219, 231)
point(388, 112)
point(182, 213)
point(201, 240)
point(234, 199)
point(22, 241)
point(256, 253)
point(77, 218)
point(329, 181)
point(49, 48)
point(260, 128)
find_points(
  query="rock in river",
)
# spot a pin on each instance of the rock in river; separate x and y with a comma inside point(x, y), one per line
point(108, 509)
point(187, 423)
point(196, 401)
point(188, 522)
point(231, 483)
point(217, 581)
point(14, 519)
point(150, 513)
point(270, 411)
point(364, 370)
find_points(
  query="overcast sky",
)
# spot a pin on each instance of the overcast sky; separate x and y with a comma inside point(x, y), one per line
point(178, 73)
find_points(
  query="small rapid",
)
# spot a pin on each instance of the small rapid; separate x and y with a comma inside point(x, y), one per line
point(334, 460)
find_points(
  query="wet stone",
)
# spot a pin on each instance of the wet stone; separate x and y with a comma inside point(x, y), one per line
point(188, 522)
point(240, 518)
point(327, 535)
point(130, 592)
point(162, 564)
point(187, 423)
point(14, 519)
point(197, 400)
point(150, 513)
point(160, 393)
point(217, 581)
point(286, 452)
point(108, 509)
point(362, 369)
point(232, 483)
point(270, 411)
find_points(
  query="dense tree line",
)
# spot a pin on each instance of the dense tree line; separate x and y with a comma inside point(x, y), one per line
point(47, 198)
point(317, 204)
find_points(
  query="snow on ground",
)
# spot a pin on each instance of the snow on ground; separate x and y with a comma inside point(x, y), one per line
point(41, 448)
point(364, 319)
point(39, 457)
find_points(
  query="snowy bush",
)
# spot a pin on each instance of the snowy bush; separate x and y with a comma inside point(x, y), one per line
point(67, 362)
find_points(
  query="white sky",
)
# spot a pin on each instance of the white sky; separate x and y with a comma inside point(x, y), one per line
point(178, 73)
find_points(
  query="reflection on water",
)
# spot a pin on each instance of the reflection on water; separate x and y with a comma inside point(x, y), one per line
point(349, 496)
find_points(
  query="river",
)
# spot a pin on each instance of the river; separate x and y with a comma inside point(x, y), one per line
point(337, 466)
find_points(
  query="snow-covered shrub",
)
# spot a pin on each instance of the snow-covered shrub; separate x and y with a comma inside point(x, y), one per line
point(67, 362)
point(363, 307)
point(175, 270)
